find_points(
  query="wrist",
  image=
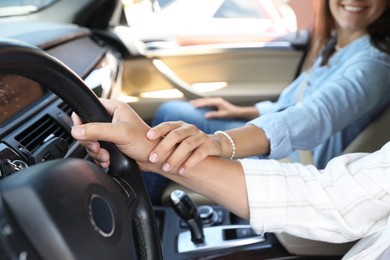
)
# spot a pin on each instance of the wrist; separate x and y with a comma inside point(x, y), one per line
point(219, 143)
point(226, 144)
point(247, 113)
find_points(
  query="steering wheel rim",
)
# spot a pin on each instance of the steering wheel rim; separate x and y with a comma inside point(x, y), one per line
point(31, 62)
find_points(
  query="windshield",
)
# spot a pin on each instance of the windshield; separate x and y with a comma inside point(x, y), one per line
point(20, 7)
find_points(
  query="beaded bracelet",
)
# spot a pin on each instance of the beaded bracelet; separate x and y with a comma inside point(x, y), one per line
point(230, 140)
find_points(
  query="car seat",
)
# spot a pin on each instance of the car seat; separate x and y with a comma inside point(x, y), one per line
point(371, 139)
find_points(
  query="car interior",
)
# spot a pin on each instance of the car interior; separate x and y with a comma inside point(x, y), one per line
point(55, 203)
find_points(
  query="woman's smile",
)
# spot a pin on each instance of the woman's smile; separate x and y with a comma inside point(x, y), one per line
point(353, 8)
point(352, 17)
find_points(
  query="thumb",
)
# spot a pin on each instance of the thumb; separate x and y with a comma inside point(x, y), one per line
point(97, 132)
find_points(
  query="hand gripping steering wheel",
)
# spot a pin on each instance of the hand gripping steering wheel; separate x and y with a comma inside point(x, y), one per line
point(70, 208)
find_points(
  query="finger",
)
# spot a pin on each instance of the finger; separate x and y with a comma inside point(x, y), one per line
point(206, 149)
point(163, 129)
point(91, 146)
point(93, 149)
point(197, 156)
point(197, 100)
point(177, 157)
point(103, 158)
point(100, 156)
point(205, 102)
point(215, 114)
point(186, 133)
point(76, 119)
point(100, 132)
point(112, 105)
point(183, 150)
point(104, 165)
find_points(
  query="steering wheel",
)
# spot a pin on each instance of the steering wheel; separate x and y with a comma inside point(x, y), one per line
point(70, 208)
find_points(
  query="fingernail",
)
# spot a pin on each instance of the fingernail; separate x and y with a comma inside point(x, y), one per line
point(78, 132)
point(166, 167)
point(151, 134)
point(102, 157)
point(181, 170)
point(105, 165)
point(153, 157)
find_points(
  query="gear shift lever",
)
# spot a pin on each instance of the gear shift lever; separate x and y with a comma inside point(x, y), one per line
point(188, 211)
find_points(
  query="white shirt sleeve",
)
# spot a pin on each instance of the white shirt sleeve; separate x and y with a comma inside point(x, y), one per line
point(348, 200)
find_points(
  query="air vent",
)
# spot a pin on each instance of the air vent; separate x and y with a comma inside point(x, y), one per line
point(66, 108)
point(42, 131)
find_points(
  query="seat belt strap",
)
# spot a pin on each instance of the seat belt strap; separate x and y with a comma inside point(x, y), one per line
point(304, 156)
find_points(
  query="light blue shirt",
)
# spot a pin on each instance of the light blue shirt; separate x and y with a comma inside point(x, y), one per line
point(338, 101)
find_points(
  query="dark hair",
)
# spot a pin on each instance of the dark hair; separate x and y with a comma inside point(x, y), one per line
point(324, 25)
point(380, 31)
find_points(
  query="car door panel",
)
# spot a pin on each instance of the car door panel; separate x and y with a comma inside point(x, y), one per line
point(250, 71)
point(253, 49)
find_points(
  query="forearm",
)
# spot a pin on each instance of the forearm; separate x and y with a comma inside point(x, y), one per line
point(249, 141)
point(221, 180)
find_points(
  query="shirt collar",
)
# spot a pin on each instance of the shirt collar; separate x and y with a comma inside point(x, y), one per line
point(362, 43)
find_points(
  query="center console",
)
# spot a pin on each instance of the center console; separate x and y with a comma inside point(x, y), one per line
point(218, 234)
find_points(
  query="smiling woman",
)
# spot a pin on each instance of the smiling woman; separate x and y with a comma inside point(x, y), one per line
point(354, 17)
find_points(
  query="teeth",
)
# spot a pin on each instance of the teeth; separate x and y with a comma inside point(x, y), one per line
point(353, 8)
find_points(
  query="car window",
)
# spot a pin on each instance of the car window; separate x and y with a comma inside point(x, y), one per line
point(181, 20)
point(239, 9)
point(20, 7)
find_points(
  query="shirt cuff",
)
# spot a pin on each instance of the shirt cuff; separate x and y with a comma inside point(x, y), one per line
point(266, 107)
point(265, 200)
point(276, 133)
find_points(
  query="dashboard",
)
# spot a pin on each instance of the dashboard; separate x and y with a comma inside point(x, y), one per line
point(30, 115)
point(16, 94)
